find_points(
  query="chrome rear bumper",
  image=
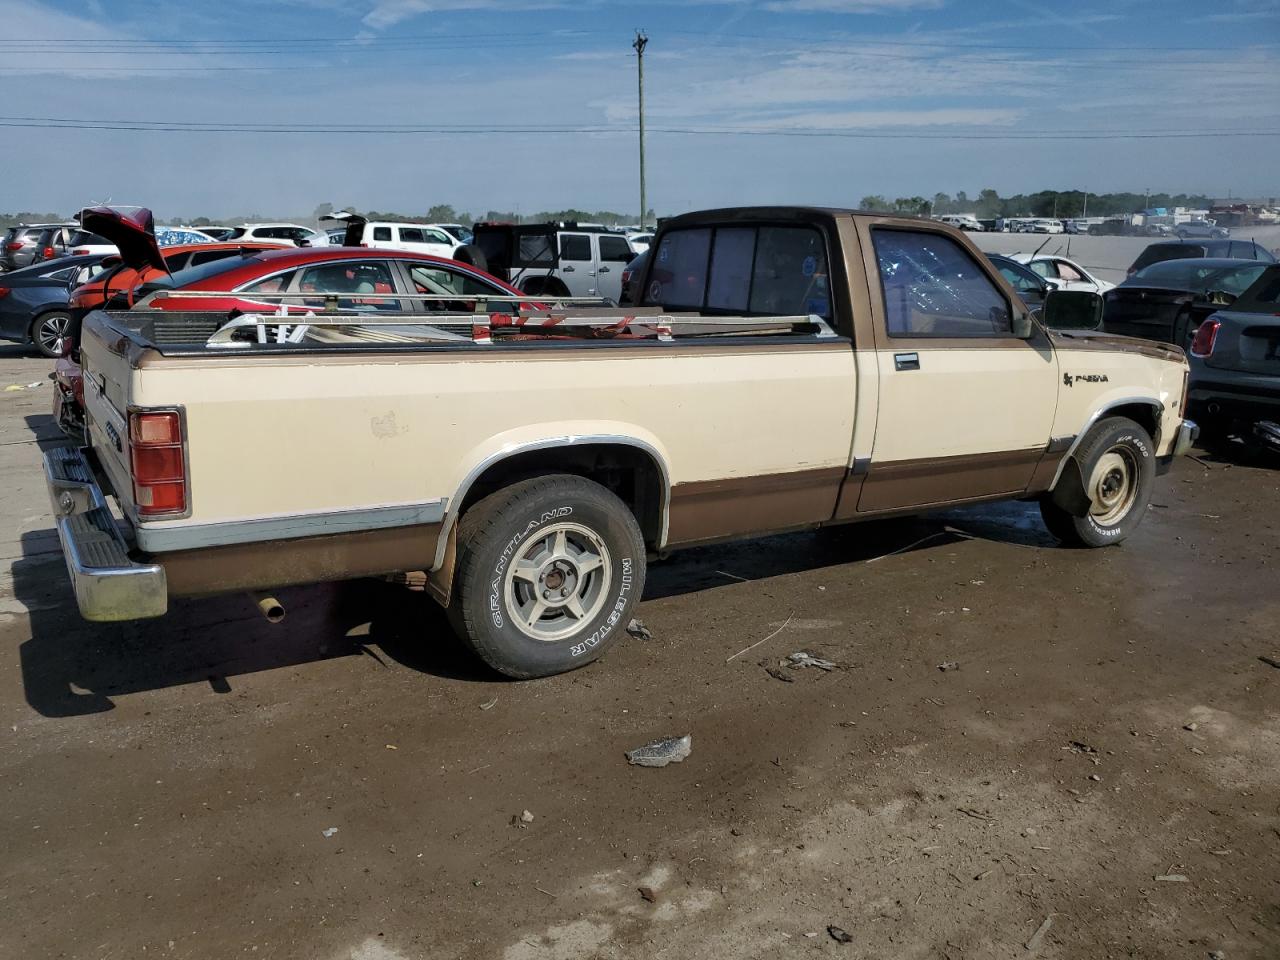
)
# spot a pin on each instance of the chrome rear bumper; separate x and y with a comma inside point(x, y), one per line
point(1188, 433)
point(108, 585)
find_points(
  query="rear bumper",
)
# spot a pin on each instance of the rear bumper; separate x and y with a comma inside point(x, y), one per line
point(1186, 437)
point(1244, 396)
point(108, 585)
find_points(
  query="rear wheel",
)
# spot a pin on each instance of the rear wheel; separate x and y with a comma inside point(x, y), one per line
point(548, 572)
point(1117, 465)
point(49, 333)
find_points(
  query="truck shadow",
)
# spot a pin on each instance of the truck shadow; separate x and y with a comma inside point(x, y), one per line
point(74, 668)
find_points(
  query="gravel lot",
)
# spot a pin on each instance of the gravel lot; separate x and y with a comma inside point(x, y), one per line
point(348, 785)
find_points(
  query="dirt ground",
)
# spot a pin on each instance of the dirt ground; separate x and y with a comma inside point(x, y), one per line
point(343, 786)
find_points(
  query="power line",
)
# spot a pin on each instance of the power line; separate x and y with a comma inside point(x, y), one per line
point(524, 130)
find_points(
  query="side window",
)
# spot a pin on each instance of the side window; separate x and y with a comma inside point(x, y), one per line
point(575, 247)
point(1044, 268)
point(933, 288)
point(439, 281)
point(363, 280)
point(411, 235)
point(435, 236)
point(615, 249)
point(1020, 281)
point(1068, 273)
point(1243, 250)
point(790, 273)
point(382, 233)
point(274, 284)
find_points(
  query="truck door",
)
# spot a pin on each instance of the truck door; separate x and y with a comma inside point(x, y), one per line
point(578, 264)
point(614, 253)
point(965, 407)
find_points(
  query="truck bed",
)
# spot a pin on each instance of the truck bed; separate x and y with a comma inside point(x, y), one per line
point(316, 440)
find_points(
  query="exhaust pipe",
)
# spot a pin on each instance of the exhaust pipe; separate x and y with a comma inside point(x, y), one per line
point(271, 609)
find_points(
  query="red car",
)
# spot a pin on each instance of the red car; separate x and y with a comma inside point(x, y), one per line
point(352, 279)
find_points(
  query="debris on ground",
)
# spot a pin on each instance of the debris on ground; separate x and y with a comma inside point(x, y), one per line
point(1271, 661)
point(1079, 746)
point(775, 671)
point(329, 832)
point(490, 705)
point(521, 819)
point(1191, 726)
point(1033, 944)
point(765, 640)
point(948, 665)
point(647, 894)
point(838, 935)
point(1172, 878)
point(802, 659)
point(638, 630)
point(659, 753)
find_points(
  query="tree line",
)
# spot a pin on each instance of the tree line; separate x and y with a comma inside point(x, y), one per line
point(988, 204)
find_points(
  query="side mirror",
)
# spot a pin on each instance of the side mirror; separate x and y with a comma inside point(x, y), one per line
point(1072, 310)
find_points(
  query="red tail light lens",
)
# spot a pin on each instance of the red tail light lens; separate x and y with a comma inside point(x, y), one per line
point(48, 253)
point(1206, 336)
point(15, 245)
point(159, 463)
point(4, 291)
point(82, 252)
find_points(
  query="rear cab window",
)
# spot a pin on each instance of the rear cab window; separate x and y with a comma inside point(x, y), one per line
point(742, 269)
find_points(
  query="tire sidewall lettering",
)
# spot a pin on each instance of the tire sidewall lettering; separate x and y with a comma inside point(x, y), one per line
point(494, 600)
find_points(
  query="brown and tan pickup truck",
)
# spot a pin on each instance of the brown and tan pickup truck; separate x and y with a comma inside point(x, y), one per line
point(787, 368)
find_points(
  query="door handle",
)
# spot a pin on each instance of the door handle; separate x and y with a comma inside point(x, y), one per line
point(604, 269)
point(906, 361)
point(568, 268)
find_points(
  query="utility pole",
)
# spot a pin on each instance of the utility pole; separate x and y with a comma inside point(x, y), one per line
point(1085, 214)
point(641, 42)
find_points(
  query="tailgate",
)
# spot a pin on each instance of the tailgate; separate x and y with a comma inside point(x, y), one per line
point(107, 372)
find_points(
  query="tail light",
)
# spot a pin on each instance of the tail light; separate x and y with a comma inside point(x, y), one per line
point(158, 457)
point(15, 245)
point(82, 252)
point(1206, 335)
point(4, 292)
point(47, 253)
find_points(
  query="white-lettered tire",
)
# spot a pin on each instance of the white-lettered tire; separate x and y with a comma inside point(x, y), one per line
point(547, 574)
point(1118, 467)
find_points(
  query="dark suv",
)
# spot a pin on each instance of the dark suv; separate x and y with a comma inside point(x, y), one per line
point(1193, 249)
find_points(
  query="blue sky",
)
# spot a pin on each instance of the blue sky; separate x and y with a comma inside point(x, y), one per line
point(805, 101)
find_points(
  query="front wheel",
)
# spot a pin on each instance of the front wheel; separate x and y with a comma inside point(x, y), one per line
point(49, 333)
point(548, 572)
point(1117, 466)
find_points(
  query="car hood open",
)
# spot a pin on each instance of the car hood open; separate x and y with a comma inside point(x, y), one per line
point(131, 229)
